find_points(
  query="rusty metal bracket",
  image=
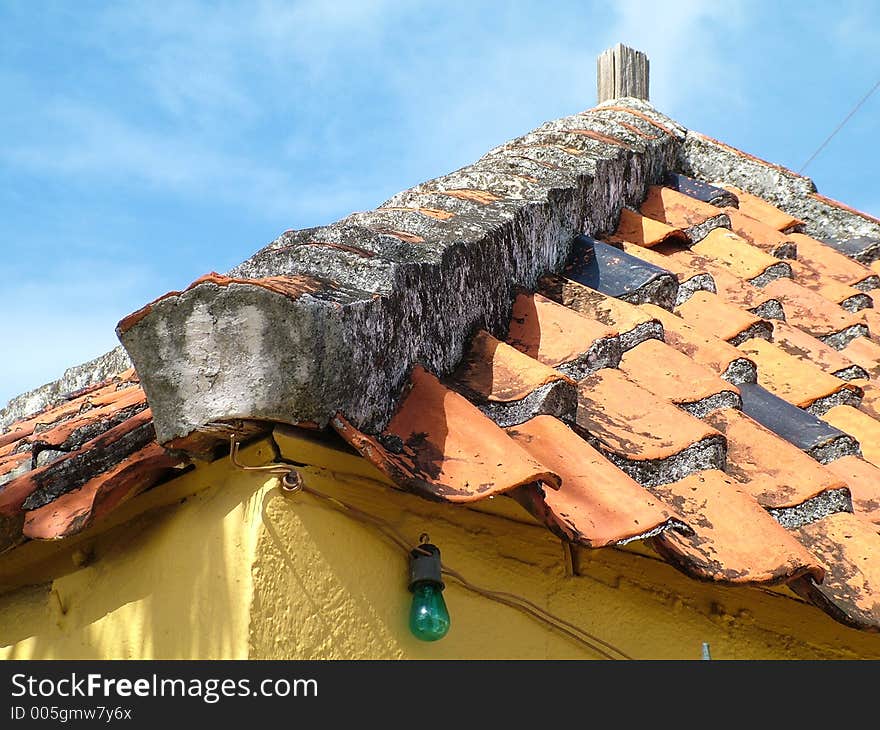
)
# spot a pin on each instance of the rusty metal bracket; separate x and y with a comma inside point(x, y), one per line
point(291, 480)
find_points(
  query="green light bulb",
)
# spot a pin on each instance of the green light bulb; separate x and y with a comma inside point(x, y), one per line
point(428, 617)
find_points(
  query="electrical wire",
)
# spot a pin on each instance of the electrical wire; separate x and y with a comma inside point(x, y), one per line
point(574, 632)
point(840, 126)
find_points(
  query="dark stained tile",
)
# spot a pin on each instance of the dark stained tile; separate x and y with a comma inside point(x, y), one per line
point(611, 271)
point(700, 190)
point(810, 433)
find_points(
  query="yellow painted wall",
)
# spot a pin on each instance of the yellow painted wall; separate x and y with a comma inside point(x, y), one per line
point(241, 569)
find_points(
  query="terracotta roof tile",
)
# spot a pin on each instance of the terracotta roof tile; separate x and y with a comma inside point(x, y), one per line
point(75, 511)
point(832, 264)
point(843, 295)
point(646, 436)
point(441, 446)
point(797, 381)
point(673, 376)
point(495, 371)
point(511, 387)
point(560, 337)
point(859, 425)
point(762, 236)
point(735, 540)
point(631, 323)
point(803, 346)
point(77, 466)
point(863, 480)
point(692, 216)
point(865, 352)
point(743, 259)
point(849, 551)
point(636, 228)
point(815, 315)
point(776, 473)
point(719, 356)
point(699, 273)
point(760, 209)
point(709, 313)
point(596, 504)
point(870, 398)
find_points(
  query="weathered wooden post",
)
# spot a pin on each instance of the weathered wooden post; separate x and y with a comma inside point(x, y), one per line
point(622, 71)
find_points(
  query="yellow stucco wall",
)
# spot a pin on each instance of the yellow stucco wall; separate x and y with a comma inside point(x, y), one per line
point(241, 569)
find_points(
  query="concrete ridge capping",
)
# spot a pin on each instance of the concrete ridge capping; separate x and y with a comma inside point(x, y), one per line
point(381, 290)
point(713, 161)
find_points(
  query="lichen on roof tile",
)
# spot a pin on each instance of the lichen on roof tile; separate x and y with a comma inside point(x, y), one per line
point(734, 540)
point(798, 381)
point(596, 503)
point(692, 216)
point(441, 446)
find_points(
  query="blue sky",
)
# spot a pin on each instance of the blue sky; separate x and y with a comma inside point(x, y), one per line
point(143, 144)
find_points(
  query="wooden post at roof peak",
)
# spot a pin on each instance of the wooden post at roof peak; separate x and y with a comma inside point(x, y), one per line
point(622, 71)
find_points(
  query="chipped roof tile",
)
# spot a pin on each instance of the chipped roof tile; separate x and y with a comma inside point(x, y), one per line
point(775, 472)
point(441, 446)
point(734, 540)
point(596, 504)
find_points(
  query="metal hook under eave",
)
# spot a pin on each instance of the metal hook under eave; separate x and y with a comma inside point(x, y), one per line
point(291, 481)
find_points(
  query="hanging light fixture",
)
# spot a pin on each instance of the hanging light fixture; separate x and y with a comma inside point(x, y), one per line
point(428, 616)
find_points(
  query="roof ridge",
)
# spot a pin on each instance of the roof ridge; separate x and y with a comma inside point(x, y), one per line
point(96, 370)
point(413, 290)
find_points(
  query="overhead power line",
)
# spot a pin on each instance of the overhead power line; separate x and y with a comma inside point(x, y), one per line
point(840, 126)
